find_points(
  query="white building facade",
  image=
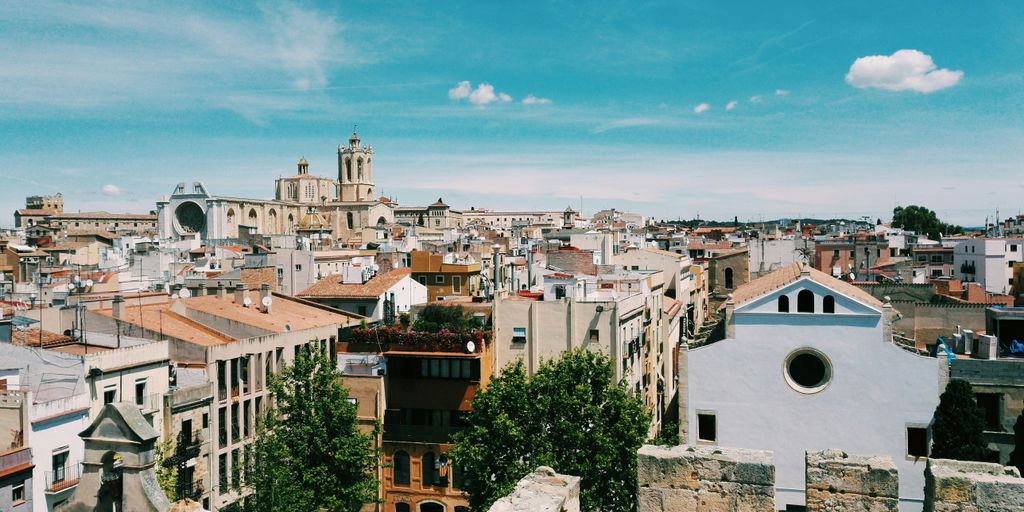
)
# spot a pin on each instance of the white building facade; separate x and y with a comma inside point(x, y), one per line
point(808, 364)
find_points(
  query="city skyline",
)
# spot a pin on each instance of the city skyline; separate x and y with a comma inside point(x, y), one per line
point(669, 111)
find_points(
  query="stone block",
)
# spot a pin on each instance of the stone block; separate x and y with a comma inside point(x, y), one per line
point(705, 479)
point(958, 486)
point(542, 491)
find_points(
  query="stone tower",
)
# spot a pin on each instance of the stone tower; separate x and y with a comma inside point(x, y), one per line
point(355, 171)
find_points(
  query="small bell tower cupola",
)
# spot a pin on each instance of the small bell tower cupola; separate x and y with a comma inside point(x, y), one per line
point(303, 166)
point(355, 170)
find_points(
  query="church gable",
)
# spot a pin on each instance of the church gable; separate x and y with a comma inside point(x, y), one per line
point(804, 296)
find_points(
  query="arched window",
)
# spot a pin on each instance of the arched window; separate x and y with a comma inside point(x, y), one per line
point(231, 215)
point(272, 217)
point(783, 304)
point(805, 301)
point(252, 217)
point(350, 219)
point(458, 476)
point(348, 168)
point(400, 471)
point(430, 506)
point(359, 169)
point(728, 279)
point(430, 476)
point(381, 221)
point(828, 305)
point(401, 507)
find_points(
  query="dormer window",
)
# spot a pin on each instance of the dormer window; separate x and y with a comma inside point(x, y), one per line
point(783, 304)
point(828, 304)
point(805, 301)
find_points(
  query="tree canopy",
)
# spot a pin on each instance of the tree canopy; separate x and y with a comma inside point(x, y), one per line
point(309, 453)
point(923, 221)
point(570, 416)
point(435, 317)
point(958, 426)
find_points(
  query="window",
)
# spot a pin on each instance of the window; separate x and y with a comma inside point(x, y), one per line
point(439, 279)
point(808, 371)
point(728, 278)
point(18, 494)
point(246, 410)
point(519, 335)
point(805, 301)
point(298, 267)
point(222, 466)
point(60, 466)
point(362, 310)
point(783, 304)
point(917, 441)
point(109, 395)
point(402, 507)
point(456, 284)
point(236, 469)
point(423, 280)
point(430, 470)
point(140, 391)
point(222, 426)
point(595, 335)
point(206, 420)
point(992, 405)
point(1013, 247)
point(707, 428)
point(828, 304)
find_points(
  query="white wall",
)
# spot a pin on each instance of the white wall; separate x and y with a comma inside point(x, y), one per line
point(876, 390)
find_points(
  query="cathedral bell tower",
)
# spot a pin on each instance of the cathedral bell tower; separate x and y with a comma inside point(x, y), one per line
point(355, 171)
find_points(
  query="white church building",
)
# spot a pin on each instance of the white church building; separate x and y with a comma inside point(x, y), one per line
point(808, 363)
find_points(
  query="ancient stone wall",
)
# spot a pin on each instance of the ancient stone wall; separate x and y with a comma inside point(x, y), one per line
point(705, 478)
point(542, 491)
point(958, 486)
point(839, 482)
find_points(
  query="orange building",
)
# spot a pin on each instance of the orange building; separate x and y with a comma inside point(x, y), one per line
point(445, 275)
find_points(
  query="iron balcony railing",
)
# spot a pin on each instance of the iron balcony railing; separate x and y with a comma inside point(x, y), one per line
point(63, 478)
point(419, 433)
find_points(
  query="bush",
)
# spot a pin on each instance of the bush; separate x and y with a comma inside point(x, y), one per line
point(959, 422)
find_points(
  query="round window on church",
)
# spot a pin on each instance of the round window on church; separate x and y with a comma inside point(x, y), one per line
point(808, 371)
point(189, 218)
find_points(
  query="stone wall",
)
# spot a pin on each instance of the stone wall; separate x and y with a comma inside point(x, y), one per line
point(838, 482)
point(957, 486)
point(542, 491)
point(705, 478)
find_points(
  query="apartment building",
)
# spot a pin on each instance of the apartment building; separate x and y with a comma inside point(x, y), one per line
point(988, 262)
point(445, 275)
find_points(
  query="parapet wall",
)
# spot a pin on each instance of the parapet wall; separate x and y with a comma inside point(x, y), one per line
point(542, 491)
point(706, 479)
point(838, 482)
point(958, 486)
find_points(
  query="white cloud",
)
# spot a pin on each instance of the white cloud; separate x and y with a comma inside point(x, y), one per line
point(533, 100)
point(482, 95)
point(905, 70)
point(755, 99)
point(112, 190)
point(629, 122)
point(781, 92)
point(703, 107)
point(731, 105)
point(460, 92)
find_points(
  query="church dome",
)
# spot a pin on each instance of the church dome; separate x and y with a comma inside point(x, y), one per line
point(302, 161)
point(313, 221)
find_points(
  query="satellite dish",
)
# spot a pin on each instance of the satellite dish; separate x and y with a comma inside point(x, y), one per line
point(267, 301)
point(287, 327)
point(853, 276)
point(470, 346)
point(88, 283)
point(71, 286)
point(247, 302)
point(184, 293)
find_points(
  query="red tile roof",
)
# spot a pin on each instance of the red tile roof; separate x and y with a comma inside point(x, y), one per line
point(791, 273)
point(332, 287)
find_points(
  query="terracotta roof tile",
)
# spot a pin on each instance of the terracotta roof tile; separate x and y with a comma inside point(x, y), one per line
point(159, 317)
point(285, 311)
point(790, 274)
point(331, 286)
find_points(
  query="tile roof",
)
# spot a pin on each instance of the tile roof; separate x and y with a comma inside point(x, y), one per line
point(790, 274)
point(297, 315)
point(159, 317)
point(332, 287)
point(105, 215)
point(30, 338)
point(30, 211)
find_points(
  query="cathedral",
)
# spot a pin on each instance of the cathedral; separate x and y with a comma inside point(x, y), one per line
point(343, 209)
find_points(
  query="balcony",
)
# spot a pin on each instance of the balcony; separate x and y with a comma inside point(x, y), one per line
point(188, 443)
point(15, 459)
point(64, 478)
point(420, 433)
point(190, 489)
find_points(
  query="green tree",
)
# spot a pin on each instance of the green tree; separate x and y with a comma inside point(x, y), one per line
point(571, 416)
point(166, 469)
point(921, 220)
point(419, 220)
point(434, 317)
point(309, 453)
point(1017, 457)
point(958, 426)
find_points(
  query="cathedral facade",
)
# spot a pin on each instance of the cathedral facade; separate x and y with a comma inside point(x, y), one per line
point(345, 208)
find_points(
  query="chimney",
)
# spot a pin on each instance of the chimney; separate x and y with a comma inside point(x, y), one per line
point(117, 306)
point(202, 290)
point(264, 294)
point(222, 292)
point(730, 322)
point(240, 293)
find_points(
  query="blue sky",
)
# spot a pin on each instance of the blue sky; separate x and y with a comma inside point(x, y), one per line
point(632, 103)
